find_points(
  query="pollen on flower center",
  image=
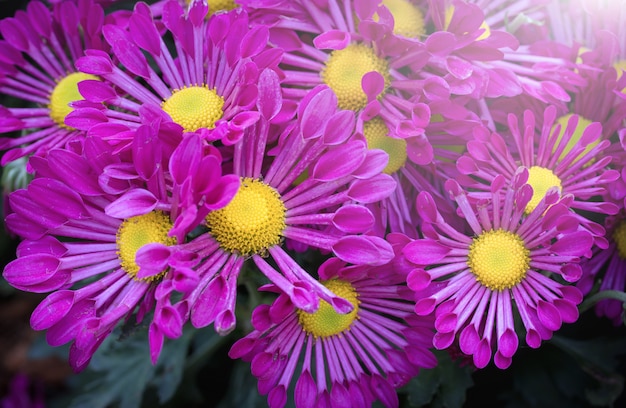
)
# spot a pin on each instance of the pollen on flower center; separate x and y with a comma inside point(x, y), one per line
point(252, 222)
point(194, 107)
point(574, 138)
point(326, 322)
point(138, 231)
point(408, 20)
point(541, 180)
point(218, 5)
point(375, 132)
point(64, 92)
point(619, 236)
point(499, 259)
point(620, 67)
point(344, 71)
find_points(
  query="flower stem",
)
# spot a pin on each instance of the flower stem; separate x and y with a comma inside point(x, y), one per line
point(605, 294)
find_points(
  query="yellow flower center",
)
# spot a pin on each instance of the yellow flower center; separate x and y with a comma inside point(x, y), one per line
point(540, 179)
point(218, 5)
point(407, 18)
point(64, 92)
point(620, 67)
point(344, 71)
point(326, 322)
point(252, 222)
point(574, 138)
point(376, 132)
point(138, 231)
point(619, 236)
point(194, 107)
point(448, 19)
point(498, 259)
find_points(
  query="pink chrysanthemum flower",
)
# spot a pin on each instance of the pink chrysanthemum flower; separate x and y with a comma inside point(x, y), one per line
point(555, 157)
point(208, 85)
point(350, 359)
point(86, 219)
point(479, 62)
point(311, 190)
point(328, 44)
point(506, 267)
point(38, 51)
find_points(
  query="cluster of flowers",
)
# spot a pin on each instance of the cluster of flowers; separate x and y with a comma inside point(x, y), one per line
point(457, 164)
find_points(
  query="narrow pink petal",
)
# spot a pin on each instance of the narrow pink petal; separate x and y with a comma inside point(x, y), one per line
point(125, 49)
point(333, 40)
point(508, 343)
point(418, 279)
point(208, 304)
point(548, 315)
point(52, 309)
point(425, 251)
point(339, 162)
point(363, 250)
point(31, 269)
point(372, 190)
point(135, 202)
point(353, 218)
point(574, 244)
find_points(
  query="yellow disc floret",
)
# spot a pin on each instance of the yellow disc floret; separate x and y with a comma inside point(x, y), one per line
point(574, 138)
point(620, 67)
point(408, 20)
point(344, 72)
point(619, 236)
point(64, 92)
point(376, 132)
point(194, 107)
point(326, 322)
point(138, 231)
point(252, 222)
point(499, 259)
point(541, 180)
point(218, 5)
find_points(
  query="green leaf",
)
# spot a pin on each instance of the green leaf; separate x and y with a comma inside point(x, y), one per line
point(118, 372)
point(597, 354)
point(170, 366)
point(243, 390)
point(121, 371)
point(443, 386)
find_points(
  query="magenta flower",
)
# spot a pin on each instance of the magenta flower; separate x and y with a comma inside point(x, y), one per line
point(310, 193)
point(208, 85)
point(504, 268)
point(39, 48)
point(574, 163)
point(350, 359)
point(87, 218)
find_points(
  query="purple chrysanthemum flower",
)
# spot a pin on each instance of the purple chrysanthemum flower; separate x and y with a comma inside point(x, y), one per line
point(37, 55)
point(503, 268)
point(311, 191)
point(86, 219)
point(208, 85)
point(350, 359)
point(570, 159)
